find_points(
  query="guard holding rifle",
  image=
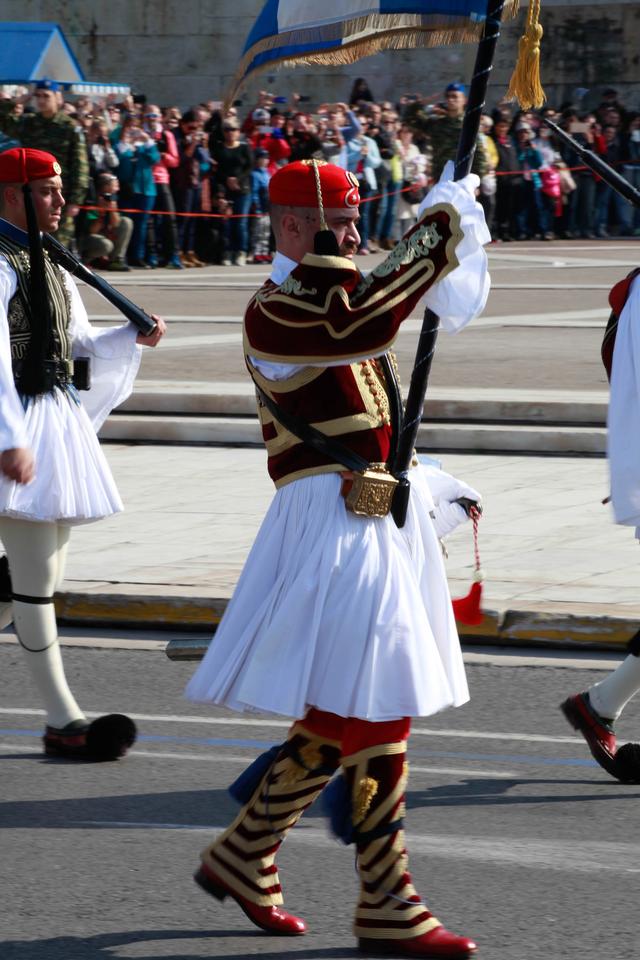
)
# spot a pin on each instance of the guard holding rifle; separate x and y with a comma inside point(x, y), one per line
point(53, 473)
point(341, 619)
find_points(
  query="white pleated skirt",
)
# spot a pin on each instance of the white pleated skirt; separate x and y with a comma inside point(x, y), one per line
point(344, 613)
point(73, 483)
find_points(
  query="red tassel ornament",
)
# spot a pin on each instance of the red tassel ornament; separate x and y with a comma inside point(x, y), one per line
point(468, 610)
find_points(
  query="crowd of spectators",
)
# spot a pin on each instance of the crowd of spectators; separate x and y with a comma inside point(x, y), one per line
point(157, 186)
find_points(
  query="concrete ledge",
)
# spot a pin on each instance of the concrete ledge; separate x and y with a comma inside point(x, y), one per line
point(477, 405)
point(563, 626)
point(469, 437)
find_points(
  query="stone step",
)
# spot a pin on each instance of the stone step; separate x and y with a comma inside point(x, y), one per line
point(475, 405)
point(469, 437)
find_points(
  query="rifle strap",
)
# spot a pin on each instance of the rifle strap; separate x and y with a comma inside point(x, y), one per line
point(333, 448)
point(314, 438)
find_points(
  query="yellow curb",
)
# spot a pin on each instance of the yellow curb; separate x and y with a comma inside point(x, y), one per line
point(150, 611)
point(507, 627)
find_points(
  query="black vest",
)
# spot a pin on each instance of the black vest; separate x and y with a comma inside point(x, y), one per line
point(19, 311)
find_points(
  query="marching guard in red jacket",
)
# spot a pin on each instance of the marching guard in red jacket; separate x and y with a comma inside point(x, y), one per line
point(341, 620)
point(594, 711)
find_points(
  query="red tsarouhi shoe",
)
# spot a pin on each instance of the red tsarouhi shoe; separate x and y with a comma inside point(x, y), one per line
point(596, 730)
point(436, 943)
point(272, 919)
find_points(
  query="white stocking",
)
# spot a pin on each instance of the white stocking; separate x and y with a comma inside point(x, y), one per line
point(611, 695)
point(36, 553)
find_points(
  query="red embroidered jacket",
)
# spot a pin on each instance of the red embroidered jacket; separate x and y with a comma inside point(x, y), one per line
point(326, 311)
point(618, 296)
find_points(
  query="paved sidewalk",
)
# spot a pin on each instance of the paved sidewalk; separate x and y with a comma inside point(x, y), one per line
point(557, 568)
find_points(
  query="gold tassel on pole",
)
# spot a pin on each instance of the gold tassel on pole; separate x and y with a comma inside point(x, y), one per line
point(525, 86)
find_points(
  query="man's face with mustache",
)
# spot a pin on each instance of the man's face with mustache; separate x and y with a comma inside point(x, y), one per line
point(342, 221)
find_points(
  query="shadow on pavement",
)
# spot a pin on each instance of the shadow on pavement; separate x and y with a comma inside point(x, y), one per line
point(100, 947)
point(215, 808)
point(188, 808)
point(488, 792)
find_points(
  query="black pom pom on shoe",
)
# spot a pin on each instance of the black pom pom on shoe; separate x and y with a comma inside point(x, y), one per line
point(627, 763)
point(109, 737)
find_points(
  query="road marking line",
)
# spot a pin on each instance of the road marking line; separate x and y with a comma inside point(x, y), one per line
point(468, 773)
point(271, 722)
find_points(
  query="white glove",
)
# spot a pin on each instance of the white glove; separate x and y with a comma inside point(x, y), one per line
point(446, 490)
point(462, 294)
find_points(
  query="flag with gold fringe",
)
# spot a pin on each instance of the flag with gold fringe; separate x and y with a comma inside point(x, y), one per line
point(332, 32)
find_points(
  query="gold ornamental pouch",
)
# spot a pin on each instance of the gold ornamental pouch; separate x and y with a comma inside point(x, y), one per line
point(369, 493)
point(367, 488)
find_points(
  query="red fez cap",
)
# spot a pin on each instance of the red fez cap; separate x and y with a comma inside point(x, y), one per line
point(21, 165)
point(294, 185)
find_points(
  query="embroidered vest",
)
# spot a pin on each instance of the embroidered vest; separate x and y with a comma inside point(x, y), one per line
point(19, 310)
point(348, 403)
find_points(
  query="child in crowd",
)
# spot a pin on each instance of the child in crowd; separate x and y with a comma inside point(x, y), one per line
point(260, 223)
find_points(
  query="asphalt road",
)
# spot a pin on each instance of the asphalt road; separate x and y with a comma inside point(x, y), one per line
point(516, 837)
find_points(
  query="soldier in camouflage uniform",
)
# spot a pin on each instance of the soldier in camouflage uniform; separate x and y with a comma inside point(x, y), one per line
point(443, 131)
point(52, 130)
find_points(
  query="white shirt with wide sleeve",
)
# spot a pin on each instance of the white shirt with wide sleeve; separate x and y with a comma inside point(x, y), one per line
point(73, 482)
point(623, 423)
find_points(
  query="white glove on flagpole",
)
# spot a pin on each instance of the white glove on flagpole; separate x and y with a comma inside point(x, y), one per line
point(462, 294)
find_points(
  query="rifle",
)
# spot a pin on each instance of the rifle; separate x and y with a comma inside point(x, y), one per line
point(64, 258)
point(431, 322)
point(598, 165)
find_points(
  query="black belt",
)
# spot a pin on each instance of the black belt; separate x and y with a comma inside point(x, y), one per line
point(59, 373)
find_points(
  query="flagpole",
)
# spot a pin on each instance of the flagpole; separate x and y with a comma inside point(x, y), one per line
point(430, 324)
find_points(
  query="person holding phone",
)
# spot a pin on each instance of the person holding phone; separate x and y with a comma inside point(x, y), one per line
point(138, 153)
point(186, 179)
point(102, 157)
point(162, 232)
point(580, 215)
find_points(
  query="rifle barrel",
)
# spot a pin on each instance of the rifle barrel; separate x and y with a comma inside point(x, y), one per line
point(64, 258)
point(598, 165)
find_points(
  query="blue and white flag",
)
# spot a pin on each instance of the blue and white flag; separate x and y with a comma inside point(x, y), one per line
point(288, 32)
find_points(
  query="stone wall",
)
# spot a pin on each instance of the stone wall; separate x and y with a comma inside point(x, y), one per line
point(186, 52)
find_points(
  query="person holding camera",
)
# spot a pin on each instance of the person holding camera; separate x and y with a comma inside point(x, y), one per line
point(270, 136)
point(364, 160)
point(580, 220)
point(102, 156)
point(138, 154)
point(303, 139)
point(108, 232)
point(442, 124)
point(162, 232)
point(234, 165)
point(186, 179)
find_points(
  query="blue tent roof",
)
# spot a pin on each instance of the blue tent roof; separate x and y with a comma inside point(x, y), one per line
point(36, 51)
point(39, 51)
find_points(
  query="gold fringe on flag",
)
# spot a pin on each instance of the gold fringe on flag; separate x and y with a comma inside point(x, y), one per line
point(525, 86)
point(358, 37)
